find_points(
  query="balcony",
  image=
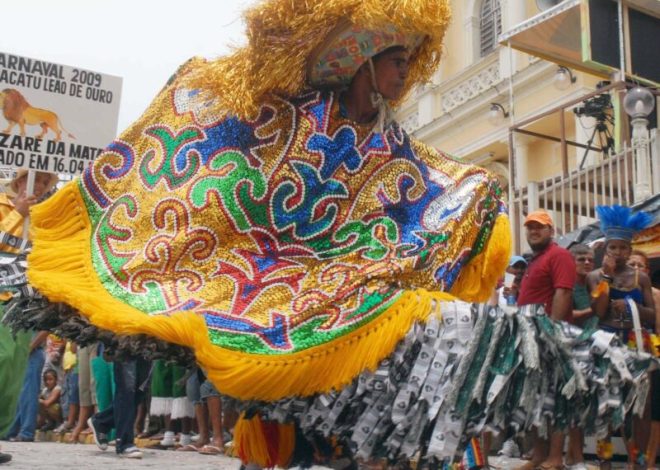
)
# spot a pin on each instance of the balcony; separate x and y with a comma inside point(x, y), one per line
point(626, 177)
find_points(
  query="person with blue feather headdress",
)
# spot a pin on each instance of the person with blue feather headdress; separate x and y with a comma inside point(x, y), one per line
point(617, 288)
point(619, 282)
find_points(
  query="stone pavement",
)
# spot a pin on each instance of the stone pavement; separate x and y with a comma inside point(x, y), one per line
point(52, 455)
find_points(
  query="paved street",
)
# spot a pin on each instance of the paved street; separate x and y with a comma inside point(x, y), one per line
point(51, 455)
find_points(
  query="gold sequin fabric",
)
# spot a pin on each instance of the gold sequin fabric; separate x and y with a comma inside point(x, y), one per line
point(284, 232)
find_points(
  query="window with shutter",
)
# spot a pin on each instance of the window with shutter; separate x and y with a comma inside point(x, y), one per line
point(490, 25)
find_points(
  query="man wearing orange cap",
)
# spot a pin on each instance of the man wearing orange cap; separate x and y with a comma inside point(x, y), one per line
point(550, 276)
point(549, 280)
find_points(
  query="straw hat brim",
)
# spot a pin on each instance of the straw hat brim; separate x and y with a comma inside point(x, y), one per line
point(338, 59)
point(11, 187)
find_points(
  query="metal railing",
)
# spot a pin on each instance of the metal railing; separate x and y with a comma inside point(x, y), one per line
point(571, 198)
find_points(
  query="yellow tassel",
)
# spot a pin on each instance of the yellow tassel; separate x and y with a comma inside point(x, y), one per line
point(287, 442)
point(61, 257)
point(250, 441)
point(254, 444)
point(479, 277)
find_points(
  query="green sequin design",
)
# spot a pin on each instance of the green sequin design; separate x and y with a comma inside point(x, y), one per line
point(309, 334)
point(362, 239)
point(251, 188)
point(172, 144)
point(152, 300)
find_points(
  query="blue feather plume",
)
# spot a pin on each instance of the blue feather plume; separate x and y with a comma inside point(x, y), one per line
point(620, 222)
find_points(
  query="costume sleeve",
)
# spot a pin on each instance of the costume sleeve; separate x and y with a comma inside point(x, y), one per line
point(477, 230)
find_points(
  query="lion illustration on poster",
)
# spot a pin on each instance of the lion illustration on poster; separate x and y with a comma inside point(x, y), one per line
point(17, 110)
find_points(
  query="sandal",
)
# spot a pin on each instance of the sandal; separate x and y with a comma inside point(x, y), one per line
point(63, 428)
point(187, 448)
point(210, 449)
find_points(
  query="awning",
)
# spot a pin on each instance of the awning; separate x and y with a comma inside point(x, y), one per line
point(583, 35)
point(553, 34)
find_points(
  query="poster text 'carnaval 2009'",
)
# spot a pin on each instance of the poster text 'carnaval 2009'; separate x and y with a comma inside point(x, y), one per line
point(53, 78)
point(54, 118)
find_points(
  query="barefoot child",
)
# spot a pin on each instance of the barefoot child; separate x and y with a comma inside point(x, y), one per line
point(50, 411)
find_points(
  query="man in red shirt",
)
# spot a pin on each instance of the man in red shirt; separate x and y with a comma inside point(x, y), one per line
point(549, 280)
point(551, 274)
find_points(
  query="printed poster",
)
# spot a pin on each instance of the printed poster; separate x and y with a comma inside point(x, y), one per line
point(54, 117)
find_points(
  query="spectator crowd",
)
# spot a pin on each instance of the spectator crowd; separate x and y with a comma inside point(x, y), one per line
point(575, 289)
point(81, 391)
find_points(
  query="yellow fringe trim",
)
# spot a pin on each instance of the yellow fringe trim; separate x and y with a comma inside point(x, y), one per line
point(60, 266)
point(479, 277)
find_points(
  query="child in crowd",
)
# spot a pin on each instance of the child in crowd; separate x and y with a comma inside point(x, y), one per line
point(50, 412)
point(53, 358)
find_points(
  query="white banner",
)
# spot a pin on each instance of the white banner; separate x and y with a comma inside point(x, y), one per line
point(53, 117)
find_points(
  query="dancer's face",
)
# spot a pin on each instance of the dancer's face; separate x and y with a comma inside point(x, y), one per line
point(391, 69)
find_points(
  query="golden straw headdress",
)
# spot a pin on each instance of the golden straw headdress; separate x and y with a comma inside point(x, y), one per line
point(285, 35)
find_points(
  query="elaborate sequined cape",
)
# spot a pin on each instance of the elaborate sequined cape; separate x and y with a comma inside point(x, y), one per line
point(292, 250)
